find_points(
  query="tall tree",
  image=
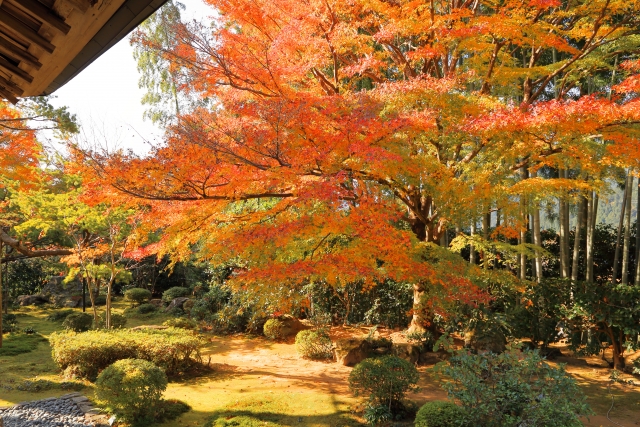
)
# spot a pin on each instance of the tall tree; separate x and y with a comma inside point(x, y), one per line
point(351, 133)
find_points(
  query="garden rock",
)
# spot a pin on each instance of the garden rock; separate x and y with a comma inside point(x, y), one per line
point(291, 326)
point(25, 300)
point(431, 358)
point(483, 341)
point(188, 305)
point(176, 303)
point(351, 351)
point(407, 351)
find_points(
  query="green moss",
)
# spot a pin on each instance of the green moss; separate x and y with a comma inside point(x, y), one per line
point(15, 344)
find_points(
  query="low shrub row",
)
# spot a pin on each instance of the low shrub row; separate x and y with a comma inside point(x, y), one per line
point(86, 354)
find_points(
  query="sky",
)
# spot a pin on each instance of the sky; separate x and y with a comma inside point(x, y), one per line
point(106, 99)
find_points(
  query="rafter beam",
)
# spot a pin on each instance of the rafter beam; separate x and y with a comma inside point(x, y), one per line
point(12, 69)
point(5, 94)
point(11, 87)
point(43, 13)
point(12, 24)
point(15, 52)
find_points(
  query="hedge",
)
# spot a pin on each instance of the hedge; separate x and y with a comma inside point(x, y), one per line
point(87, 353)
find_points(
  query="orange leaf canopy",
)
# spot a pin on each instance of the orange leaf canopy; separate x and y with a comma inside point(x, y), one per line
point(329, 139)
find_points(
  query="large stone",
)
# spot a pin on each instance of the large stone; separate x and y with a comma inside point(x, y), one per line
point(351, 351)
point(487, 340)
point(25, 300)
point(157, 302)
point(431, 358)
point(176, 303)
point(407, 351)
point(188, 305)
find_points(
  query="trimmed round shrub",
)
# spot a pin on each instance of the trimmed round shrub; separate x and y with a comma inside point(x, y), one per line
point(441, 413)
point(188, 305)
point(100, 300)
point(78, 322)
point(118, 321)
point(181, 322)
point(137, 295)
point(314, 344)
point(60, 315)
point(146, 308)
point(9, 323)
point(274, 329)
point(132, 389)
point(384, 380)
point(173, 293)
point(85, 355)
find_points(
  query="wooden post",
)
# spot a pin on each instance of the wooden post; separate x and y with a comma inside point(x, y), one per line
point(1, 331)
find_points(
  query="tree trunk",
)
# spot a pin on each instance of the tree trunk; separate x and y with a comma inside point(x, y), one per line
point(537, 239)
point(576, 243)
point(616, 257)
point(418, 320)
point(563, 232)
point(616, 348)
point(523, 239)
point(592, 213)
point(485, 235)
point(627, 230)
point(1, 290)
point(472, 249)
point(637, 253)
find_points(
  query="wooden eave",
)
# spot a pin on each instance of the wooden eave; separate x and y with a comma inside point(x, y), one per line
point(45, 43)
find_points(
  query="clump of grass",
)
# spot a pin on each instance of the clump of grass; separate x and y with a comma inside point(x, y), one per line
point(15, 344)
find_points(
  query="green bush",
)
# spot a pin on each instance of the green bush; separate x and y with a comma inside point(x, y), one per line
point(512, 389)
point(100, 300)
point(174, 350)
point(132, 389)
point(171, 409)
point(384, 380)
point(118, 321)
point(181, 322)
point(440, 413)
point(9, 323)
point(78, 322)
point(314, 344)
point(173, 293)
point(146, 308)
point(137, 295)
point(273, 329)
point(59, 315)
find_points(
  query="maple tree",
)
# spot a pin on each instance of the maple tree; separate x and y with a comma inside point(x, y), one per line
point(337, 140)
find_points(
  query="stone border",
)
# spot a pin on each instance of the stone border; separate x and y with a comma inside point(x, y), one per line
point(91, 413)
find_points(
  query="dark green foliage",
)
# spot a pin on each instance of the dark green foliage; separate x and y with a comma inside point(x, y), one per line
point(100, 300)
point(78, 322)
point(513, 389)
point(59, 315)
point(29, 330)
point(388, 303)
point(28, 276)
point(314, 344)
point(85, 354)
point(9, 323)
point(132, 389)
point(170, 409)
point(146, 308)
point(137, 295)
point(377, 414)
point(173, 293)
point(384, 380)
point(16, 344)
point(440, 413)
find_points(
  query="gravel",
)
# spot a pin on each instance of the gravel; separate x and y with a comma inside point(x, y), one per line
point(52, 412)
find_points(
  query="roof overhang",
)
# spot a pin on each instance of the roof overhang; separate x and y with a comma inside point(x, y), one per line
point(45, 43)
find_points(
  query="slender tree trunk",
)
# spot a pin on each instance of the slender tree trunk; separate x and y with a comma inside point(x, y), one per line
point(537, 238)
point(576, 243)
point(485, 235)
point(637, 278)
point(564, 231)
point(1, 290)
point(472, 249)
point(627, 230)
point(616, 257)
point(524, 174)
point(592, 213)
